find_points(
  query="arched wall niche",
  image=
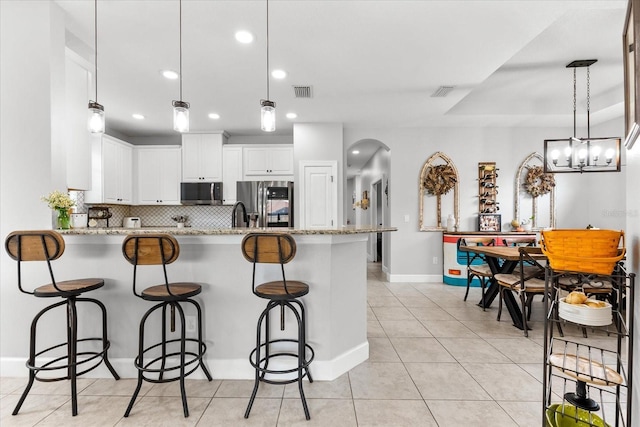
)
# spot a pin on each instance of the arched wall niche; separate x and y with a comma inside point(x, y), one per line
point(526, 206)
point(452, 201)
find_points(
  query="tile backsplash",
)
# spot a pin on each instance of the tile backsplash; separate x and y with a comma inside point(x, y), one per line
point(160, 216)
point(197, 216)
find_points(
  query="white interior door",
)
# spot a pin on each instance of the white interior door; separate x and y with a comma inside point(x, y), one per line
point(319, 204)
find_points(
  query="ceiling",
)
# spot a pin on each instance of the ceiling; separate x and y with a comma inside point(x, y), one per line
point(371, 64)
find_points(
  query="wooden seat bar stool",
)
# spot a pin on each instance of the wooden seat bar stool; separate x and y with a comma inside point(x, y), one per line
point(163, 249)
point(277, 248)
point(71, 357)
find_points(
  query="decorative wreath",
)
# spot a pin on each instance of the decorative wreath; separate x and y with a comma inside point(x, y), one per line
point(537, 183)
point(439, 180)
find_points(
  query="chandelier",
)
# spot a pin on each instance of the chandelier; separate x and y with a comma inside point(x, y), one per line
point(582, 154)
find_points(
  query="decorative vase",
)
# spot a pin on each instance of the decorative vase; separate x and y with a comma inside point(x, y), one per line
point(64, 221)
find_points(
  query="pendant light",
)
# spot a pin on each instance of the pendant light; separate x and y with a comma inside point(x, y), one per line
point(267, 107)
point(95, 121)
point(582, 154)
point(180, 108)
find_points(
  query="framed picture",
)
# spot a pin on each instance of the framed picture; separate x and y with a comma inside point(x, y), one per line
point(631, 58)
point(489, 222)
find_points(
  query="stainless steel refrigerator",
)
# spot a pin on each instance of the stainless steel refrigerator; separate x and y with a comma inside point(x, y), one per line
point(270, 203)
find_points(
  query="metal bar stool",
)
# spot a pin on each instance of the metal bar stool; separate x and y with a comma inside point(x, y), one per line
point(163, 249)
point(69, 356)
point(277, 248)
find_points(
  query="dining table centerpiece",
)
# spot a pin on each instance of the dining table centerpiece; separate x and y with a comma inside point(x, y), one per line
point(61, 203)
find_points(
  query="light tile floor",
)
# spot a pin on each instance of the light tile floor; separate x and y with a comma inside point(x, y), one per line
point(435, 360)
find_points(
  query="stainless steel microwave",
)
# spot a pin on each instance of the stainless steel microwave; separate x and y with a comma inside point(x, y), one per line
point(201, 193)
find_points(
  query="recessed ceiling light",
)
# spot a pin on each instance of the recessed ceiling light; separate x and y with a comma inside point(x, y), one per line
point(355, 152)
point(137, 116)
point(279, 74)
point(244, 37)
point(214, 116)
point(169, 74)
point(291, 115)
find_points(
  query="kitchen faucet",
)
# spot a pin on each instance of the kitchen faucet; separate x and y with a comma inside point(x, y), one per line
point(234, 216)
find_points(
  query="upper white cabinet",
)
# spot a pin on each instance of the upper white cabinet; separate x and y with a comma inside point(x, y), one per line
point(231, 172)
point(158, 175)
point(111, 163)
point(268, 160)
point(202, 156)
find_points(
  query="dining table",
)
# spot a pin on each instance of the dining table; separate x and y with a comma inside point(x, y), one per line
point(501, 260)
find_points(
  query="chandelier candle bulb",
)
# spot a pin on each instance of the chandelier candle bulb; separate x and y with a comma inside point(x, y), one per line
point(609, 155)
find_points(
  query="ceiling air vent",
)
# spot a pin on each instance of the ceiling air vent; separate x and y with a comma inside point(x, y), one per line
point(302, 91)
point(442, 91)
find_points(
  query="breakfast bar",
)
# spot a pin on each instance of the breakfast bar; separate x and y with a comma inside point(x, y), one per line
point(332, 262)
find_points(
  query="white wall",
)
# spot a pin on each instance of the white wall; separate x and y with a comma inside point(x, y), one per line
point(349, 191)
point(321, 141)
point(154, 140)
point(376, 169)
point(260, 139)
point(31, 158)
point(582, 199)
point(632, 230)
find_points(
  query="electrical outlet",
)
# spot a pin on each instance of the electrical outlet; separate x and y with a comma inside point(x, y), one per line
point(435, 259)
point(191, 323)
point(406, 218)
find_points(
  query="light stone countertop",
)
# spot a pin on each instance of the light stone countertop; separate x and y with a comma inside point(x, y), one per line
point(191, 231)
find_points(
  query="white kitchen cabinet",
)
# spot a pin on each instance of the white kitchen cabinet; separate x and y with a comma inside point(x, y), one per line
point(231, 172)
point(202, 156)
point(158, 172)
point(111, 178)
point(268, 160)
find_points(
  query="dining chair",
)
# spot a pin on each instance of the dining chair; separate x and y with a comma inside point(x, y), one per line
point(520, 241)
point(525, 283)
point(477, 264)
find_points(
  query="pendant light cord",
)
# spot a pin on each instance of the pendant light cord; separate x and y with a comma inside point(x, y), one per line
point(180, 26)
point(588, 104)
point(268, 50)
point(95, 41)
point(574, 102)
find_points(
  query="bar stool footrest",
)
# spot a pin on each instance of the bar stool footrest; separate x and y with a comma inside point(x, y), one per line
point(280, 353)
point(50, 366)
point(194, 358)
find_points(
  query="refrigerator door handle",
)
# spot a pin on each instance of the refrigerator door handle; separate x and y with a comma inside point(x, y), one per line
point(261, 205)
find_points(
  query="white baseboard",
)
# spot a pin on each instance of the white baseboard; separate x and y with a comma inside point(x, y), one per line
point(230, 369)
point(412, 278)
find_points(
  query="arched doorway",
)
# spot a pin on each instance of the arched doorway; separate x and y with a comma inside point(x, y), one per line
point(367, 194)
